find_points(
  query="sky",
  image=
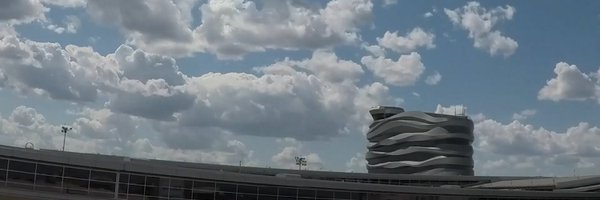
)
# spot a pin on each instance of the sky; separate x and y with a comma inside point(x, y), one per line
point(261, 82)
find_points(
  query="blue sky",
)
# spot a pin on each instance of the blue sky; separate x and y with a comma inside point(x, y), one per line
point(262, 82)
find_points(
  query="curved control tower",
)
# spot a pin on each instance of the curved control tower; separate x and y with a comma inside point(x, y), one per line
point(419, 143)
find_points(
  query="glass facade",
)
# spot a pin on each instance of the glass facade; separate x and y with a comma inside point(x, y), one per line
point(125, 185)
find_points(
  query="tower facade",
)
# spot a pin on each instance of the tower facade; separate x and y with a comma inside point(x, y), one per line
point(415, 142)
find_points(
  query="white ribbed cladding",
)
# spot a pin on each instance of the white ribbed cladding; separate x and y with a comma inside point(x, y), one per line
point(419, 143)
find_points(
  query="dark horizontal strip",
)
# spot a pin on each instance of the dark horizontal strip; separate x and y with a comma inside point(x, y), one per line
point(430, 143)
point(446, 146)
point(417, 156)
point(413, 170)
point(438, 160)
point(463, 151)
point(416, 137)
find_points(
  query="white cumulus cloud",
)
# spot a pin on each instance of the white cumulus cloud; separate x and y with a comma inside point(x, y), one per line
point(375, 50)
point(357, 163)
point(387, 3)
point(403, 72)
point(327, 66)
point(403, 44)
point(433, 79)
point(524, 114)
point(155, 25)
point(517, 138)
point(480, 23)
point(230, 29)
point(570, 84)
point(21, 11)
point(70, 25)
point(66, 3)
point(295, 105)
point(308, 99)
point(105, 132)
point(428, 15)
point(46, 69)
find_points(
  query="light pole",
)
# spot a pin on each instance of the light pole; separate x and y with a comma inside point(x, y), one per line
point(300, 161)
point(64, 130)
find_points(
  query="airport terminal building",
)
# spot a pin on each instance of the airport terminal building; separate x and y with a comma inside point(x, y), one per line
point(49, 174)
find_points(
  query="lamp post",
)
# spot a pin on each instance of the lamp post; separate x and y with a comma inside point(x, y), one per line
point(300, 161)
point(64, 130)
